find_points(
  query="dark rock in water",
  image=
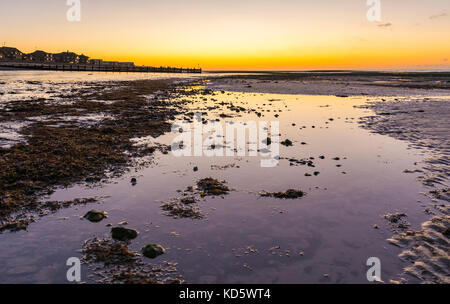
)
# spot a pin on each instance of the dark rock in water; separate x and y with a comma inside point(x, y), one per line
point(287, 143)
point(322, 157)
point(133, 181)
point(289, 194)
point(267, 141)
point(307, 174)
point(316, 173)
point(195, 169)
point(153, 250)
point(95, 215)
point(123, 234)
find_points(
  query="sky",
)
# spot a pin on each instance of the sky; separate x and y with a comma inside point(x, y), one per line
point(238, 34)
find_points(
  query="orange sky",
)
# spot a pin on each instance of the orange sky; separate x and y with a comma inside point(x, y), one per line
point(232, 34)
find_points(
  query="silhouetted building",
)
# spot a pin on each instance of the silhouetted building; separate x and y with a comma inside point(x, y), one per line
point(12, 54)
point(66, 57)
point(83, 59)
point(95, 61)
point(41, 56)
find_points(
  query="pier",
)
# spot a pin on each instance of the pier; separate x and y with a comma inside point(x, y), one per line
point(95, 68)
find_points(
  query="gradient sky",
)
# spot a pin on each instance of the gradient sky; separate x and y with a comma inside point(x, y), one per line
point(238, 34)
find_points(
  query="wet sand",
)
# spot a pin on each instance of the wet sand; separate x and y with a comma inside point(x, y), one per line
point(243, 226)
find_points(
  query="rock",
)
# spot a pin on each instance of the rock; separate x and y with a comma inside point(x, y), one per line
point(153, 250)
point(133, 181)
point(95, 215)
point(267, 141)
point(289, 194)
point(123, 234)
point(287, 143)
point(195, 169)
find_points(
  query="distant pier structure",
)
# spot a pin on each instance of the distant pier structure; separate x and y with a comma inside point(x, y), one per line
point(13, 58)
point(130, 68)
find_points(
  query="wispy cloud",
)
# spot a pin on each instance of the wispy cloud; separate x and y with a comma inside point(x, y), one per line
point(384, 24)
point(438, 15)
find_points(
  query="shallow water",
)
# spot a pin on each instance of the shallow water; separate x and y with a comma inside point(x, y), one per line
point(237, 242)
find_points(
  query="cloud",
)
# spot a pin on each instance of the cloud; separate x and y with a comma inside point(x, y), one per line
point(445, 59)
point(438, 15)
point(384, 24)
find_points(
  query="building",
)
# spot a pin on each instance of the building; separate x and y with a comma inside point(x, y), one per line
point(83, 59)
point(110, 63)
point(126, 64)
point(96, 61)
point(41, 56)
point(66, 57)
point(11, 54)
point(117, 63)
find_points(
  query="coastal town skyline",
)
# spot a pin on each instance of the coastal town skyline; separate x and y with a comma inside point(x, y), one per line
point(239, 35)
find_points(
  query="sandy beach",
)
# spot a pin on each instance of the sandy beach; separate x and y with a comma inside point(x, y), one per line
point(361, 171)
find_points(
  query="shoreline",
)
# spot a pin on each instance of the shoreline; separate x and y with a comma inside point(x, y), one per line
point(144, 107)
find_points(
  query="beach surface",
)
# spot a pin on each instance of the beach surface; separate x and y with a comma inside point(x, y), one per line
point(361, 171)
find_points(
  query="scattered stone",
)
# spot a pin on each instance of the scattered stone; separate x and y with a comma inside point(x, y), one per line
point(123, 234)
point(267, 141)
point(153, 250)
point(95, 215)
point(133, 181)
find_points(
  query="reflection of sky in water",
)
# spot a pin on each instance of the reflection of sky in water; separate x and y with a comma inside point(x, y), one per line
point(17, 85)
point(332, 225)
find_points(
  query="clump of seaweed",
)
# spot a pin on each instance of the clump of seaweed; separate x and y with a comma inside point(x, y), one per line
point(120, 265)
point(182, 208)
point(107, 251)
point(23, 218)
point(211, 186)
point(59, 152)
point(288, 194)
point(397, 220)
